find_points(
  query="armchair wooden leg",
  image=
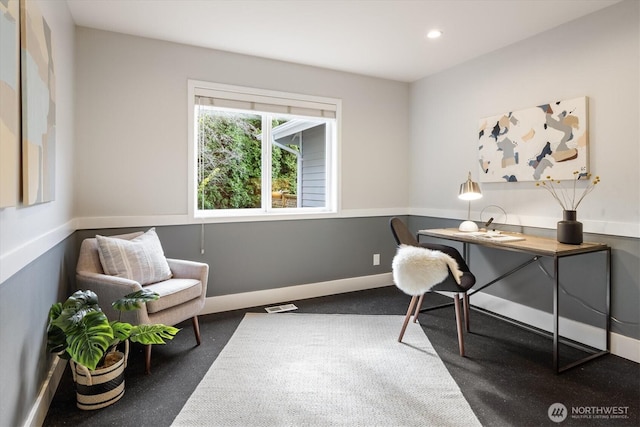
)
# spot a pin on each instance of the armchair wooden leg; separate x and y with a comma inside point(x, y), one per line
point(147, 359)
point(456, 303)
point(412, 305)
point(466, 310)
point(418, 307)
point(196, 328)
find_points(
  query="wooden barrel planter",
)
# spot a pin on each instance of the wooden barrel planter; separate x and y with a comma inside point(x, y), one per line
point(102, 387)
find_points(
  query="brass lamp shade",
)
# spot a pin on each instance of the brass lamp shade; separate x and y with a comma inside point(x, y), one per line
point(469, 190)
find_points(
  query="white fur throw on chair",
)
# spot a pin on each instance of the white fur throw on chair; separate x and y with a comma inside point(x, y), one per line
point(416, 269)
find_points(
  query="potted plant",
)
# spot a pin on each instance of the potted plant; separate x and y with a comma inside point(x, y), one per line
point(78, 330)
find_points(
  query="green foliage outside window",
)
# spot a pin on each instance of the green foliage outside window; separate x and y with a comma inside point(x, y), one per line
point(229, 162)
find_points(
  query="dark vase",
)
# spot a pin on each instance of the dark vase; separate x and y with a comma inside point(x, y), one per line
point(569, 230)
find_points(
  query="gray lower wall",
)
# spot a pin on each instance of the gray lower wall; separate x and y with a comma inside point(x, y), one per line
point(254, 256)
point(25, 299)
point(246, 257)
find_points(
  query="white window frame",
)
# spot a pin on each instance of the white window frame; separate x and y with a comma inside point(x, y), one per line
point(332, 154)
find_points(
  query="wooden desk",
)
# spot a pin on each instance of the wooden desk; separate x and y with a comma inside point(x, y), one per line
point(538, 247)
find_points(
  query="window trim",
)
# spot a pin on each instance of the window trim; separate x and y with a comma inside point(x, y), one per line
point(333, 153)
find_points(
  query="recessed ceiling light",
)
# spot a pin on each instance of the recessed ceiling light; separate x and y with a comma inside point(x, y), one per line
point(434, 34)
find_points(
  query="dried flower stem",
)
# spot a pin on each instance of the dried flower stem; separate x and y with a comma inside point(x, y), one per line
point(567, 199)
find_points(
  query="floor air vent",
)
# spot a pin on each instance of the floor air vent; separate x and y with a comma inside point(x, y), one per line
point(281, 308)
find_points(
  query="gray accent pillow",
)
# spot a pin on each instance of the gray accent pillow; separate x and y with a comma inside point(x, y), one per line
point(141, 259)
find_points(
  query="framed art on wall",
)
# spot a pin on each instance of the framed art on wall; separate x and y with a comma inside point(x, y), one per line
point(9, 103)
point(38, 107)
point(531, 144)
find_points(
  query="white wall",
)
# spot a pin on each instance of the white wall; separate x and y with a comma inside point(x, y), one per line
point(596, 56)
point(132, 124)
point(26, 232)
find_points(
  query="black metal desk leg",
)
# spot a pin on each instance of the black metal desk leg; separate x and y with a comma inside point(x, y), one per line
point(465, 251)
point(467, 300)
point(608, 302)
point(556, 332)
point(558, 338)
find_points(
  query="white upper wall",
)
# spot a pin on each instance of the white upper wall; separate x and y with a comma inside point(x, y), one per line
point(41, 226)
point(132, 124)
point(596, 56)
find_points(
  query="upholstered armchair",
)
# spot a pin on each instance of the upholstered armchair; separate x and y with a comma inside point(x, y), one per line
point(182, 286)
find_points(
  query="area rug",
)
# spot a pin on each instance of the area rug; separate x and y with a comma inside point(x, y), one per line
point(292, 369)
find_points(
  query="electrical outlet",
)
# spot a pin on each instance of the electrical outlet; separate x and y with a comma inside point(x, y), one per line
point(376, 259)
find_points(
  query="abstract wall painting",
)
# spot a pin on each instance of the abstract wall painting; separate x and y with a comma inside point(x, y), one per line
point(38, 107)
point(9, 102)
point(531, 144)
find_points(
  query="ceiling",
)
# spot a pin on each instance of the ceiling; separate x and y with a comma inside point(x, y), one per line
point(381, 38)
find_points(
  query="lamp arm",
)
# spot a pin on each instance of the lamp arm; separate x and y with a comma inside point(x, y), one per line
point(492, 219)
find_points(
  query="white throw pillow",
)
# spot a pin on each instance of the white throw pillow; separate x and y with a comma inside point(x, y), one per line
point(141, 259)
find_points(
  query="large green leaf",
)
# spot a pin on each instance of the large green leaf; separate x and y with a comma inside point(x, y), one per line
point(74, 309)
point(121, 330)
point(55, 311)
point(152, 334)
point(82, 299)
point(89, 339)
point(56, 338)
point(134, 300)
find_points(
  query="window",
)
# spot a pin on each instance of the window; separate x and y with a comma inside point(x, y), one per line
point(262, 152)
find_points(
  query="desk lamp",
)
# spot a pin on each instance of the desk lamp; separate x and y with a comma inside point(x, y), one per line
point(469, 190)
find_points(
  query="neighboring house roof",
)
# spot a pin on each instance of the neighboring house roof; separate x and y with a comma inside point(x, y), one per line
point(292, 127)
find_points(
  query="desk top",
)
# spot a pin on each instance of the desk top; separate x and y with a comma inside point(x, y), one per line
point(530, 244)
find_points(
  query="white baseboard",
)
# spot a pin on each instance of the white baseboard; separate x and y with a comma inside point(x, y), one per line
point(293, 293)
point(626, 347)
point(623, 346)
point(41, 406)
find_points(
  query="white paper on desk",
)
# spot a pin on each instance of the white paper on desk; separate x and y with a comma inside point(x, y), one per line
point(491, 236)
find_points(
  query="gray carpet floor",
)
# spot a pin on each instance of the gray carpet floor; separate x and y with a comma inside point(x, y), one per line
point(506, 376)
